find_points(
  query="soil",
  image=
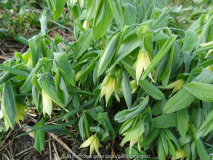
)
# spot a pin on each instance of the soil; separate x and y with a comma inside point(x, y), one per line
point(22, 148)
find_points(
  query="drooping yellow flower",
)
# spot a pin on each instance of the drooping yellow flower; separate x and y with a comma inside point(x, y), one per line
point(77, 76)
point(6, 123)
point(135, 135)
point(110, 86)
point(47, 103)
point(1, 114)
point(27, 57)
point(141, 64)
point(93, 142)
point(86, 25)
point(175, 85)
point(179, 155)
point(73, 2)
point(20, 112)
point(29, 63)
point(81, 3)
point(210, 68)
point(101, 43)
point(133, 86)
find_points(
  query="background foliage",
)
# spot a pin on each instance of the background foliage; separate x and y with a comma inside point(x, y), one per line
point(137, 69)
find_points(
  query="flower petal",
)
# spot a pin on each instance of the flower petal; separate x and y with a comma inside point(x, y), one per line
point(87, 142)
point(109, 90)
point(92, 146)
point(132, 142)
point(97, 145)
point(47, 103)
point(139, 67)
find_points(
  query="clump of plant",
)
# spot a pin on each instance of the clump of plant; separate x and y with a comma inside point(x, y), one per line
point(120, 77)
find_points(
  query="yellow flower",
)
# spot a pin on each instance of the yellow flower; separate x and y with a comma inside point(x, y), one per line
point(101, 43)
point(6, 123)
point(210, 68)
point(135, 135)
point(81, 3)
point(77, 76)
point(134, 86)
point(179, 155)
point(29, 62)
point(175, 85)
point(27, 57)
point(1, 114)
point(93, 142)
point(47, 103)
point(86, 25)
point(20, 112)
point(73, 2)
point(110, 86)
point(141, 64)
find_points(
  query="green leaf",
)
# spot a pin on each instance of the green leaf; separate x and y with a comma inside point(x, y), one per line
point(63, 63)
point(126, 89)
point(182, 121)
point(83, 43)
point(129, 43)
point(56, 7)
point(205, 30)
point(134, 133)
point(107, 55)
point(160, 150)
point(8, 104)
point(14, 71)
point(103, 119)
point(37, 99)
point(34, 50)
point(184, 98)
point(132, 112)
point(190, 41)
point(129, 14)
point(145, 85)
point(171, 147)
point(82, 128)
point(90, 68)
point(48, 127)
point(164, 142)
point(128, 125)
point(91, 8)
point(140, 108)
point(102, 20)
point(150, 137)
point(159, 56)
point(165, 121)
point(117, 13)
point(145, 34)
point(86, 124)
point(61, 89)
point(199, 146)
point(39, 136)
point(179, 101)
point(50, 90)
point(172, 137)
point(20, 38)
point(43, 22)
point(200, 90)
point(27, 86)
point(207, 126)
point(166, 69)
